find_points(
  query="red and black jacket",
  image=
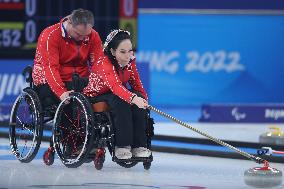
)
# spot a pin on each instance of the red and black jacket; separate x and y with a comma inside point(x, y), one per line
point(58, 56)
point(104, 78)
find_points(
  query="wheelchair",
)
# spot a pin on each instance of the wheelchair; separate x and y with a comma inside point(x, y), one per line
point(81, 131)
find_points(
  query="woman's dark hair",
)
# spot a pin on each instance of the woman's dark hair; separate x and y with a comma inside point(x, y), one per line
point(113, 44)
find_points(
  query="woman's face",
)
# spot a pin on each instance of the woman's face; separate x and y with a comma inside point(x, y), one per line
point(124, 52)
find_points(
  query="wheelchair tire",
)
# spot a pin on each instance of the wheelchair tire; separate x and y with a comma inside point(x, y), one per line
point(48, 156)
point(99, 162)
point(25, 126)
point(146, 165)
point(72, 130)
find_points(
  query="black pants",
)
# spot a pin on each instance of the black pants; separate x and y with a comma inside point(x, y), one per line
point(129, 121)
point(48, 98)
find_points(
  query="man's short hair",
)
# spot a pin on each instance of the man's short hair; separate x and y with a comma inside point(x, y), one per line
point(82, 16)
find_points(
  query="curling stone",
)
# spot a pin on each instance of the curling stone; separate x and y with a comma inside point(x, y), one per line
point(280, 139)
point(271, 136)
point(263, 177)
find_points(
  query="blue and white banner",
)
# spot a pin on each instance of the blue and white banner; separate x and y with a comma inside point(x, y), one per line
point(11, 79)
point(196, 59)
point(209, 4)
point(243, 113)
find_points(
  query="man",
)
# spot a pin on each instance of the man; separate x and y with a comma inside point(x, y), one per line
point(68, 47)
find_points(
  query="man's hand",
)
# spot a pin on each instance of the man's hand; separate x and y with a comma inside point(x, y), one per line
point(65, 95)
point(140, 102)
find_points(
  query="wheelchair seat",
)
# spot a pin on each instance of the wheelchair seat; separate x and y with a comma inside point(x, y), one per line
point(100, 107)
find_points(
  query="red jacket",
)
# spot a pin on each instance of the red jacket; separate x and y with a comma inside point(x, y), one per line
point(104, 78)
point(58, 56)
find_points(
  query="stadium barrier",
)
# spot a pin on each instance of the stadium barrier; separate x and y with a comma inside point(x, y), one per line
point(242, 113)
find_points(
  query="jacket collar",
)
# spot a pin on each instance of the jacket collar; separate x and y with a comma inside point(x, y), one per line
point(64, 33)
point(63, 28)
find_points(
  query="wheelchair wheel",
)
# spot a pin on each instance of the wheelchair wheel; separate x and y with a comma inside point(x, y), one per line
point(99, 159)
point(48, 156)
point(72, 131)
point(26, 126)
point(146, 165)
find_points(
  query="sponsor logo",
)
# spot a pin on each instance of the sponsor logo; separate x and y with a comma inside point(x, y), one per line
point(238, 115)
point(205, 114)
point(274, 113)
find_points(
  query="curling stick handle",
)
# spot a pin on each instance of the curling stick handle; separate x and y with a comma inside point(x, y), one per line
point(249, 156)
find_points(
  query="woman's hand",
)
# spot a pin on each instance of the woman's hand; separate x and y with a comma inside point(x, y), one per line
point(140, 102)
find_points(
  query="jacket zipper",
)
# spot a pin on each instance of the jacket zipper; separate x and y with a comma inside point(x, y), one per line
point(78, 57)
point(122, 71)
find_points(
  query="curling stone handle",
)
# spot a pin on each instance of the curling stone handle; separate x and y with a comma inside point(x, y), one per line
point(261, 152)
point(265, 151)
point(258, 160)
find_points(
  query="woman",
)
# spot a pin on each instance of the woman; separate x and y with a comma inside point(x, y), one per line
point(108, 82)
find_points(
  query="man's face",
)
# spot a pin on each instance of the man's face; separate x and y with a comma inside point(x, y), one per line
point(80, 32)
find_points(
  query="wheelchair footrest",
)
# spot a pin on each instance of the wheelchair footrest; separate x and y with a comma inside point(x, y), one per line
point(134, 159)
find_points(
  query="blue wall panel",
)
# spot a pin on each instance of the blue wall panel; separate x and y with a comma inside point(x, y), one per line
point(196, 59)
point(213, 4)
